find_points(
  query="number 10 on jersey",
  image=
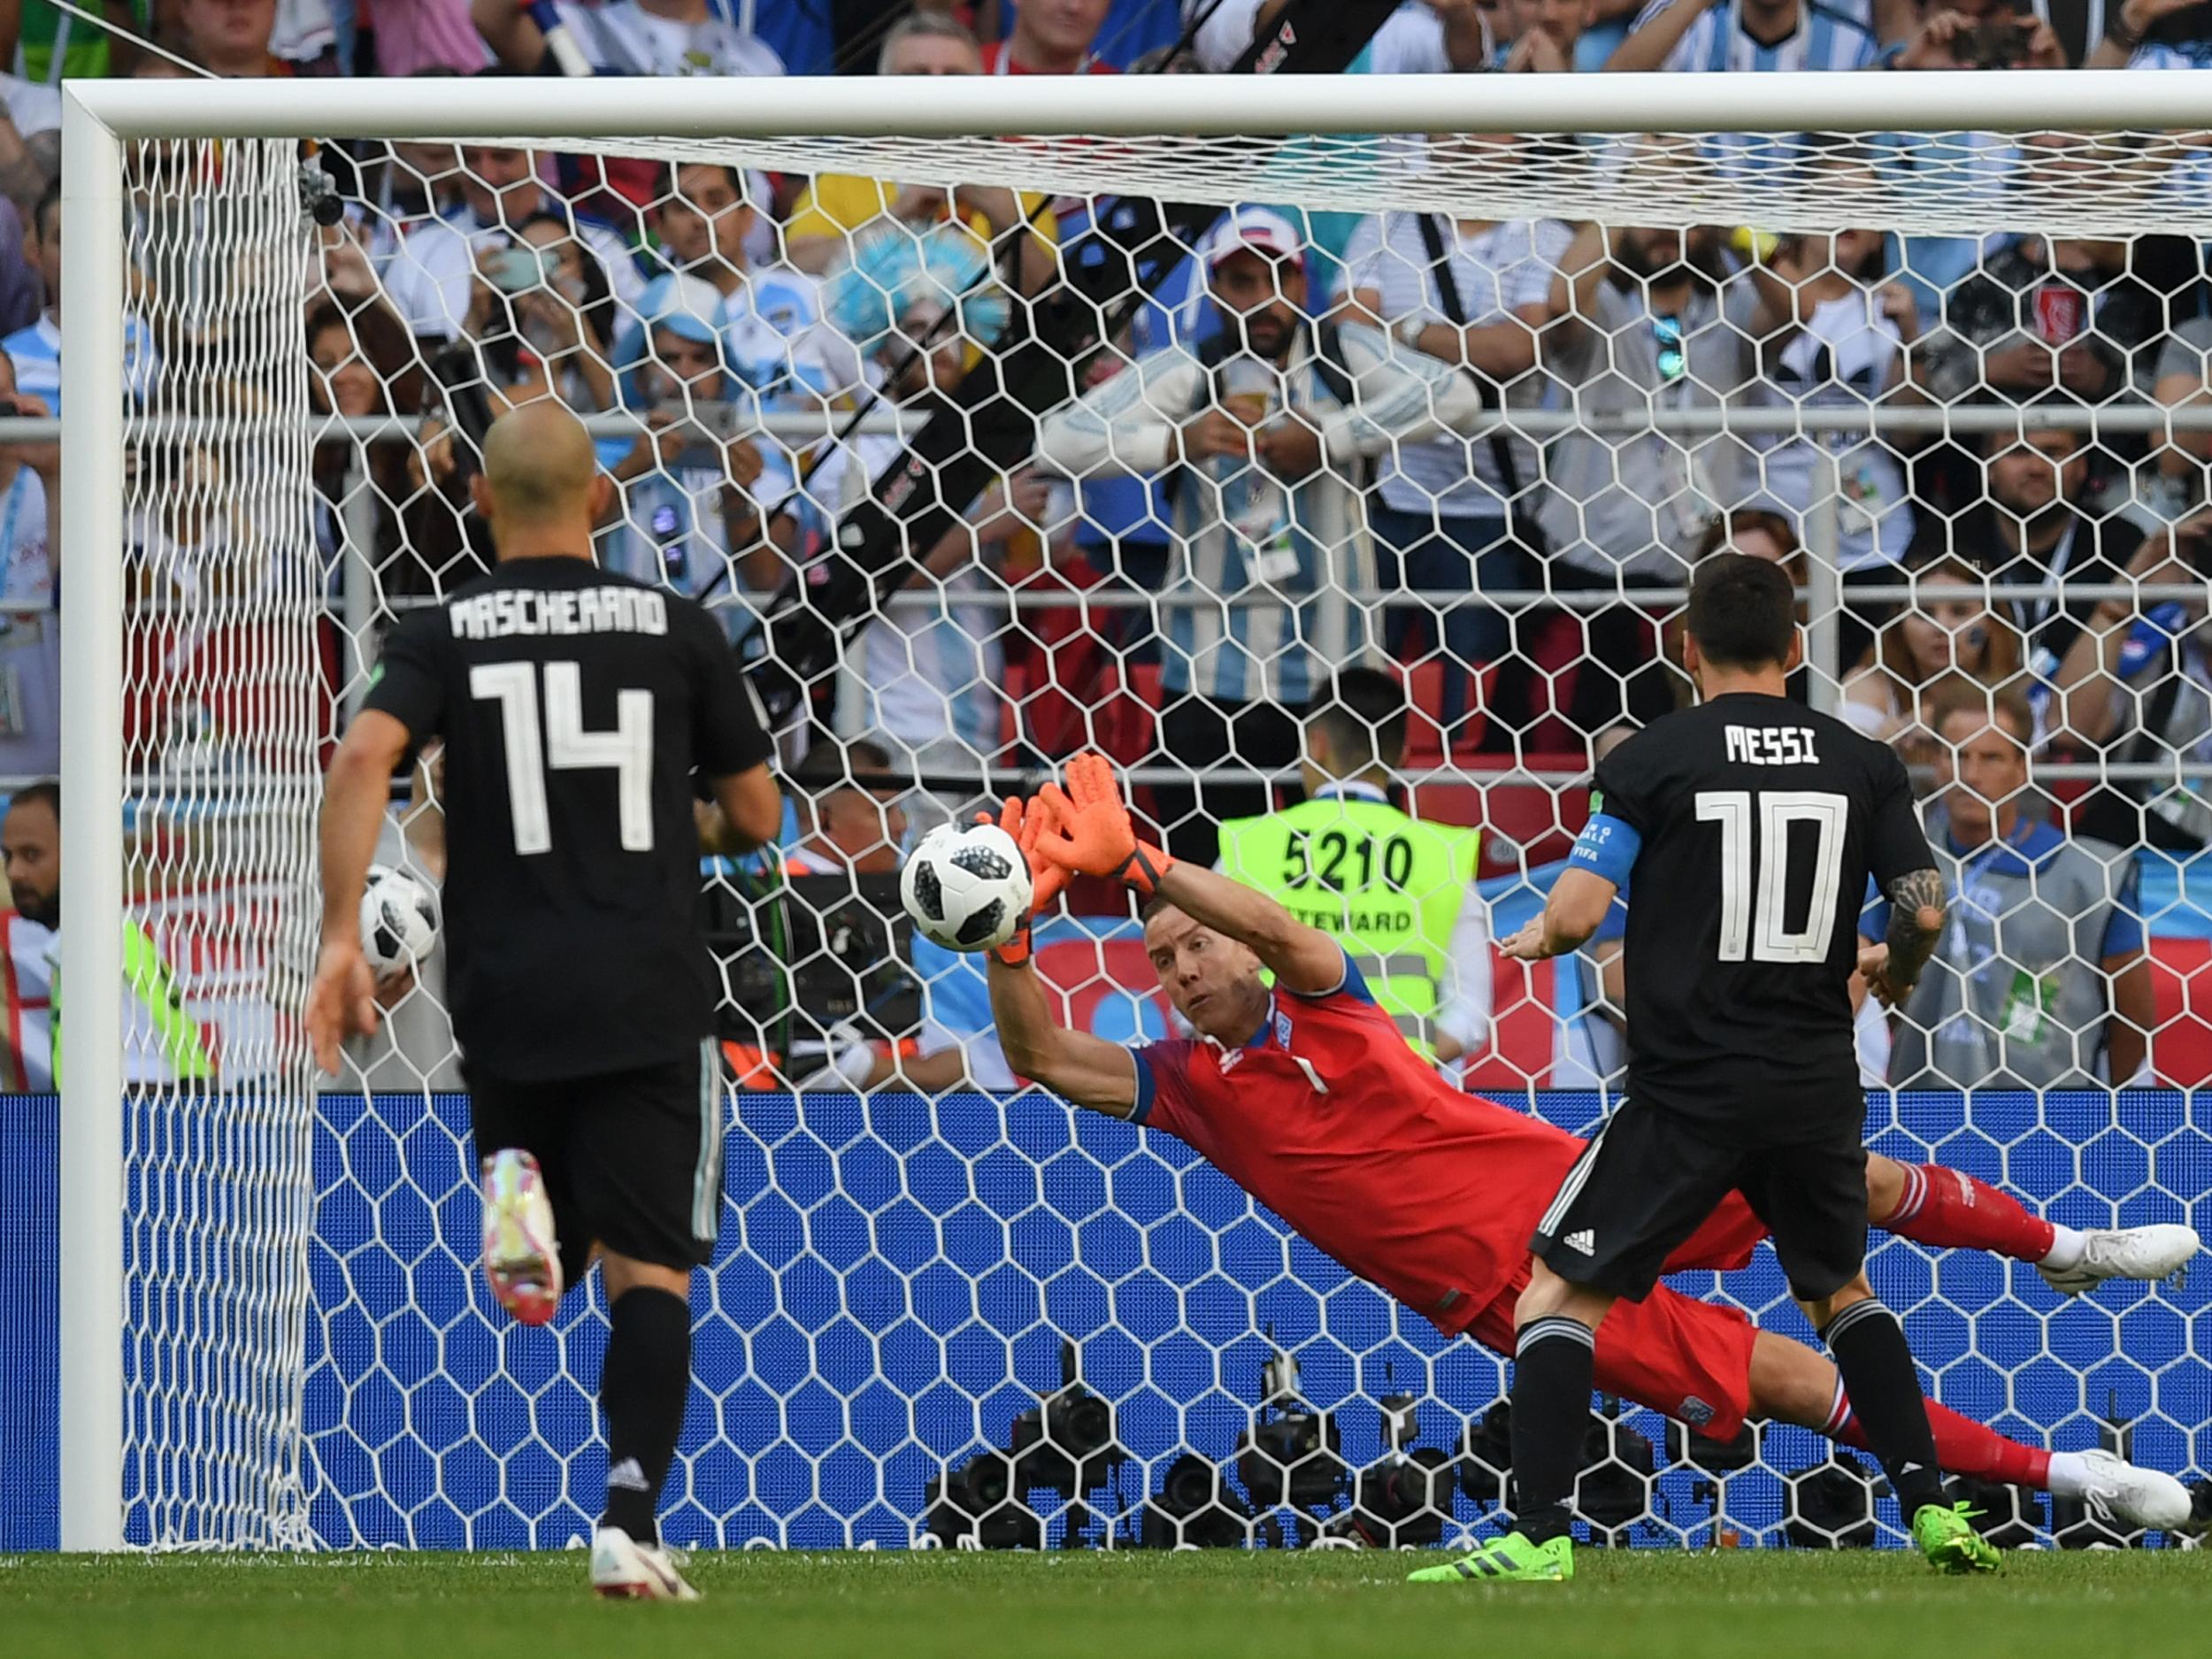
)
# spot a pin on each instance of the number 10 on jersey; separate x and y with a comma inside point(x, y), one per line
point(563, 744)
point(1755, 927)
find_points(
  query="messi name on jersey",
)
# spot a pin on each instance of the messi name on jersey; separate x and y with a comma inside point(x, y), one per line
point(1771, 745)
point(511, 611)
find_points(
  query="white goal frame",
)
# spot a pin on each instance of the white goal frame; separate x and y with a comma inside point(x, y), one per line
point(100, 117)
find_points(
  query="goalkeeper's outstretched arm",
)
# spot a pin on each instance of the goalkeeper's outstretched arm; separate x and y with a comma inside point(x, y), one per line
point(1085, 1070)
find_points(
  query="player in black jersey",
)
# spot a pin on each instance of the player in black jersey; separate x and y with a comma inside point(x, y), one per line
point(1751, 825)
point(575, 707)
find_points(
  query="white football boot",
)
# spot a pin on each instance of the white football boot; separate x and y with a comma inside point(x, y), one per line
point(522, 1253)
point(2150, 1253)
point(622, 1570)
point(2117, 1490)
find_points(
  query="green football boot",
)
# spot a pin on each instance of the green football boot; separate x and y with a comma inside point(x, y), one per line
point(1947, 1539)
point(1508, 1560)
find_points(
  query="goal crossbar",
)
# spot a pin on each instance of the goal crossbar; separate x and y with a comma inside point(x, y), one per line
point(934, 106)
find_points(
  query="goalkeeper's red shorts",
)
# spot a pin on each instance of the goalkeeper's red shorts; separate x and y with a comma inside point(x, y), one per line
point(1688, 1359)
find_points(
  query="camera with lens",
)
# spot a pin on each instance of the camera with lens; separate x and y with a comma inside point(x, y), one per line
point(1993, 43)
point(1194, 1507)
point(1620, 1468)
point(977, 1501)
point(1292, 1453)
point(1404, 1497)
point(1063, 1443)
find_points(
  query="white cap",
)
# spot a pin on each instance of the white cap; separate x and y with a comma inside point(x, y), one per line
point(1261, 229)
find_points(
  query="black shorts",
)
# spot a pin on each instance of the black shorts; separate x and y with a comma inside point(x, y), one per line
point(1650, 1179)
point(631, 1160)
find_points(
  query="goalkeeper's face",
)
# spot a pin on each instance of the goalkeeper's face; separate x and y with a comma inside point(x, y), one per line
point(30, 840)
point(1213, 980)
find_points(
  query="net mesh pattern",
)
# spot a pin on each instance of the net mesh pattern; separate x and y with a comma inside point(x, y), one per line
point(1817, 349)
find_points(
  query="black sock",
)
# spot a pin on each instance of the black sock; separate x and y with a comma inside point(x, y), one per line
point(1554, 1359)
point(642, 1390)
point(1884, 1392)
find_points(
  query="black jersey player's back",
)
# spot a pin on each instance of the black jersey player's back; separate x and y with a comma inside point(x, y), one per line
point(1759, 822)
point(574, 705)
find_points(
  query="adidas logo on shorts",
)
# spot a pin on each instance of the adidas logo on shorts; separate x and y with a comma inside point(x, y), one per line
point(1582, 1243)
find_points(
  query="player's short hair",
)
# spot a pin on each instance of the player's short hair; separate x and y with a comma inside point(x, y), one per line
point(1742, 612)
point(1363, 712)
point(43, 790)
point(2006, 704)
point(1152, 907)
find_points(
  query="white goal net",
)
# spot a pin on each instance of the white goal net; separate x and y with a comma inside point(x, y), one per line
point(1463, 410)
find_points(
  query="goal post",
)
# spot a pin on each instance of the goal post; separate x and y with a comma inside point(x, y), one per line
point(192, 1431)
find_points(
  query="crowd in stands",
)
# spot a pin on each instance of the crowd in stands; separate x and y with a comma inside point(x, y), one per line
point(1287, 462)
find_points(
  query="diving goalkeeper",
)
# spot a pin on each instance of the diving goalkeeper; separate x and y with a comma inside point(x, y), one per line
point(1308, 1098)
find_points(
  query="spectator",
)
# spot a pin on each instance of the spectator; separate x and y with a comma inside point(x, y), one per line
point(360, 362)
point(836, 206)
point(2135, 685)
point(1421, 37)
point(163, 1043)
point(30, 848)
point(2082, 315)
point(433, 272)
point(2041, 981)
point(1948, 629)
point(234, 39)
point(691, 518)
point(2154, 34)
point(1548, 35)
point(776, 338)
point(1984, 35)
point(1746, 36)
point(2039, 524)
point(43, 44)
point(1833, 336)
point(30, 630)
point(2176, 484)
point(1400, 895)
point(931, 677)
point(628, 37)
point(1050, 37)
point(35, 351)
point(1262, 427)
point(417, 36)
point(1645, 321)
point(1474, 293)
point(563, 311)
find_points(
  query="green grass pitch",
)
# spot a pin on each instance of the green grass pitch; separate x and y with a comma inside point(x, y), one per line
point(1650, 1604)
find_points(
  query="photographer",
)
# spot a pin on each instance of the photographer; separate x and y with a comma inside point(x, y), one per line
point(2134, 685)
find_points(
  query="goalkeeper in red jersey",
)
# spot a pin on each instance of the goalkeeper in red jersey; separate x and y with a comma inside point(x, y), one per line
point(1305, 1095)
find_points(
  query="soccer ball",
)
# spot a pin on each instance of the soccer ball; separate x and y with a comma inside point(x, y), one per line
point(399, 921)
point(967, 889)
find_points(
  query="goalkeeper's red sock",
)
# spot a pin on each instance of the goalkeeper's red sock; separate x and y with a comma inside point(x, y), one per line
point(1951, 1209)
point(1964, 1447)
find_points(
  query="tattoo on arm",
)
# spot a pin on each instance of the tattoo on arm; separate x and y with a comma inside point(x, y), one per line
point(1911, 945)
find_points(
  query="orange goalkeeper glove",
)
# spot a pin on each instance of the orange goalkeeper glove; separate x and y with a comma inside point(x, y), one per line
point(1096, 837)
point(1027, 823)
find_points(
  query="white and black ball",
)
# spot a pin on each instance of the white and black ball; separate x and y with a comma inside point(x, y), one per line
point(399, 921)
point(967, 889)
